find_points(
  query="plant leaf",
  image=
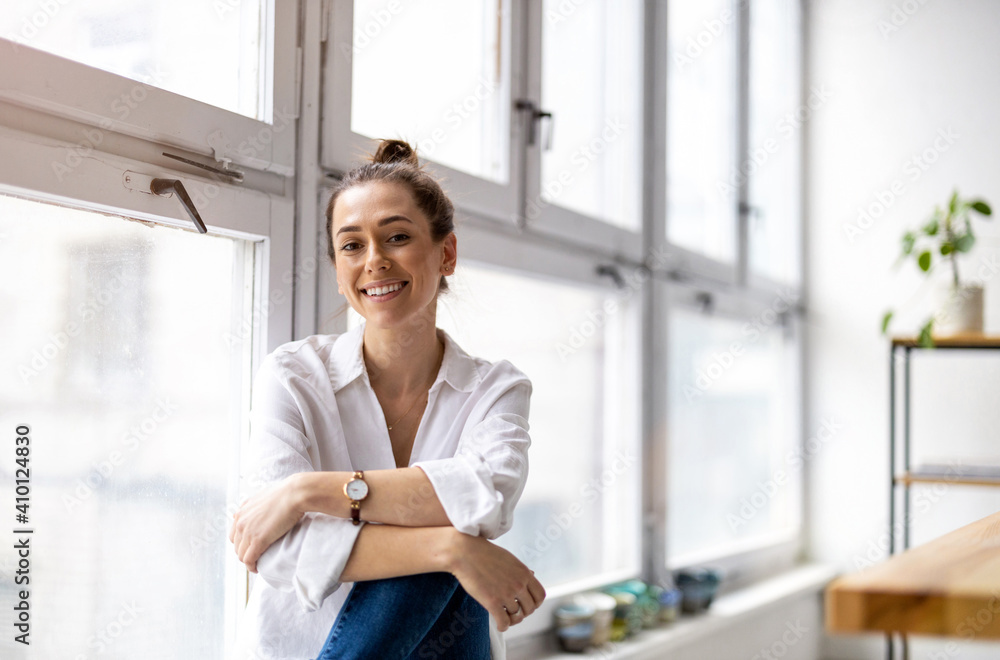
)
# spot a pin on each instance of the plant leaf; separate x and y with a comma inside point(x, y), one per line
point(909, 238)
point(952, 203)
point(885, 321)
point(947, 248)
point(924, 261)
point(931, 228)
point(981, 207)
point(965, 242)
point(926, 336)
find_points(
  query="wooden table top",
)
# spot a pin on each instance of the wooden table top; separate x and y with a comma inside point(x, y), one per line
point(948, 587)
point(962, 340)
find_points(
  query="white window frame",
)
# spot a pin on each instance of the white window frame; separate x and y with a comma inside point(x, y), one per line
point(692, 264)
point(112, 178)
point(80, 92)
point(341, 146)
point(553, 220)
point(748, 560)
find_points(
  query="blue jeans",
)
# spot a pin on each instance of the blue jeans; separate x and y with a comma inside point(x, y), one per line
point(416, 617)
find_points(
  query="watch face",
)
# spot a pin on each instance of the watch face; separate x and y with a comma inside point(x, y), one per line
point(357, 489)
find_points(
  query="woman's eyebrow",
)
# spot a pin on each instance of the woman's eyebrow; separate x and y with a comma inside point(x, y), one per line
point(381, 223)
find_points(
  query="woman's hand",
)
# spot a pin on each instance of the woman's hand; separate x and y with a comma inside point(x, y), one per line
point(497, 579)
point(263, 519)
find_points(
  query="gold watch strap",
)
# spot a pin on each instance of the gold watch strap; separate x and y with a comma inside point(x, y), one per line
point(356, 504)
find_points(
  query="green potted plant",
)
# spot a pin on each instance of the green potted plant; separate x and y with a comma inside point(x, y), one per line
point(946, 235)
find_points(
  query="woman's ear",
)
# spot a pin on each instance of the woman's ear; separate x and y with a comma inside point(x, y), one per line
point(450, 256)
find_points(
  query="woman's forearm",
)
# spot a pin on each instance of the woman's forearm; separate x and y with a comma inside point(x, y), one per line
point(387, 551)
point(493, 576)
point(402, 497)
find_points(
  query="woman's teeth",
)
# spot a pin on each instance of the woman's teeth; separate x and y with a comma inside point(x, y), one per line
point(382, 290)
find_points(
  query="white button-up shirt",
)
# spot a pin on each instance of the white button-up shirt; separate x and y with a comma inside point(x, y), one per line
point(314, 408)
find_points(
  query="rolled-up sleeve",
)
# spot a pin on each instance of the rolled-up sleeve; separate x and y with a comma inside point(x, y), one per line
point(479, 487)
point(310, 558)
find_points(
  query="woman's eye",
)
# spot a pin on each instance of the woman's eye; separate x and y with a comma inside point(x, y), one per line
point(349, 247)
point(398, 237)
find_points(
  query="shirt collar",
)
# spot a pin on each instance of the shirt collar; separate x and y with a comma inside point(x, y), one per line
point(347, 362)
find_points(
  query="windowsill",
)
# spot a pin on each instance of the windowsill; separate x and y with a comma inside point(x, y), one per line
point(725, 612)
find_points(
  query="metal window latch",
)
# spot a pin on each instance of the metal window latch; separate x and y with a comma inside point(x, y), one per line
point(536, 116)
point(233, 175)
point(609, 270)
point(164, 187)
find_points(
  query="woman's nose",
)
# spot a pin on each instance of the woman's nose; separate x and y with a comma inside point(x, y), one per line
point(376, 259)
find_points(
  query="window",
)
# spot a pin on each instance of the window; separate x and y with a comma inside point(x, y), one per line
point(456, 116)
point(776, 118)
point(119, 300)
point(481, 123)
point(578, 517)
point(219, 60)
point(455, 108)
point(591, 161)
point(731, 411)
point(130, 456)
point(119, 69)
point(702, 127)
point(727, 303)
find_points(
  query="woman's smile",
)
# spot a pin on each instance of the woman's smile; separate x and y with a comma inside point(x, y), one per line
point(383, 293)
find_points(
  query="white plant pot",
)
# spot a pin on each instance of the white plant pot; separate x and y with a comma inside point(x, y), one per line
point(960, 311)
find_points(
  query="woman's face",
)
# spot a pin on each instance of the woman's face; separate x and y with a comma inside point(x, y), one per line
point(388, 265)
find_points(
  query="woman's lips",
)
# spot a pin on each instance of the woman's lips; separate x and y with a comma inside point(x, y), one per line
point(386, 296)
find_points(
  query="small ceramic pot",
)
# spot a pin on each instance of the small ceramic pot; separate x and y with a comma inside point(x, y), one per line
point(575, 626)
point(670, 604)
point(698, 586)
point(604, 614)
point(960, 310)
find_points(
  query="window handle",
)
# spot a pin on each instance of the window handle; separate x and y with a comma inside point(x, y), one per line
point(164, 187)
point(609, 270)
point(536, 116)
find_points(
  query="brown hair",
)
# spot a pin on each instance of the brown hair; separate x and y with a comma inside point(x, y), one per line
point(395, 161)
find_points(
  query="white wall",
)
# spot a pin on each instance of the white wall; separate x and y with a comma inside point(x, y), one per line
point(900, 73)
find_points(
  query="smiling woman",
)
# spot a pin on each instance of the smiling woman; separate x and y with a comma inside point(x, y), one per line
point(389, 423)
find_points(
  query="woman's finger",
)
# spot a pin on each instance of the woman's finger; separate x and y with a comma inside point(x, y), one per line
point(536, 590)
point(516, 615)
point(527, 603)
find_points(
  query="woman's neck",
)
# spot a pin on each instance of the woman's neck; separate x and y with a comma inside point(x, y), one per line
point(403, 359)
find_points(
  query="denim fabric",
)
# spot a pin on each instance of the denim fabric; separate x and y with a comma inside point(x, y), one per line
point(416, 617)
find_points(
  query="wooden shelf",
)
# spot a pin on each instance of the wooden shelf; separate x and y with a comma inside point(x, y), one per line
point(967, 340)
point(969, 475)
point(943, 588)
point(911, 478)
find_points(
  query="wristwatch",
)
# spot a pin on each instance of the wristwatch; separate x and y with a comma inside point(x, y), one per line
point(356, 490)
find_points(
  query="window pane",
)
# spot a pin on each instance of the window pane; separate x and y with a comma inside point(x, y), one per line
point(730, 472)
point(594, 165)
point(435, 75)
point(579, 515)
point(116, 355)
point(208, 51)
point(702, 126)
point(776, 119)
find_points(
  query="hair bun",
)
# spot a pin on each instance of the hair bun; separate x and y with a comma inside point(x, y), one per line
point(395, 151)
